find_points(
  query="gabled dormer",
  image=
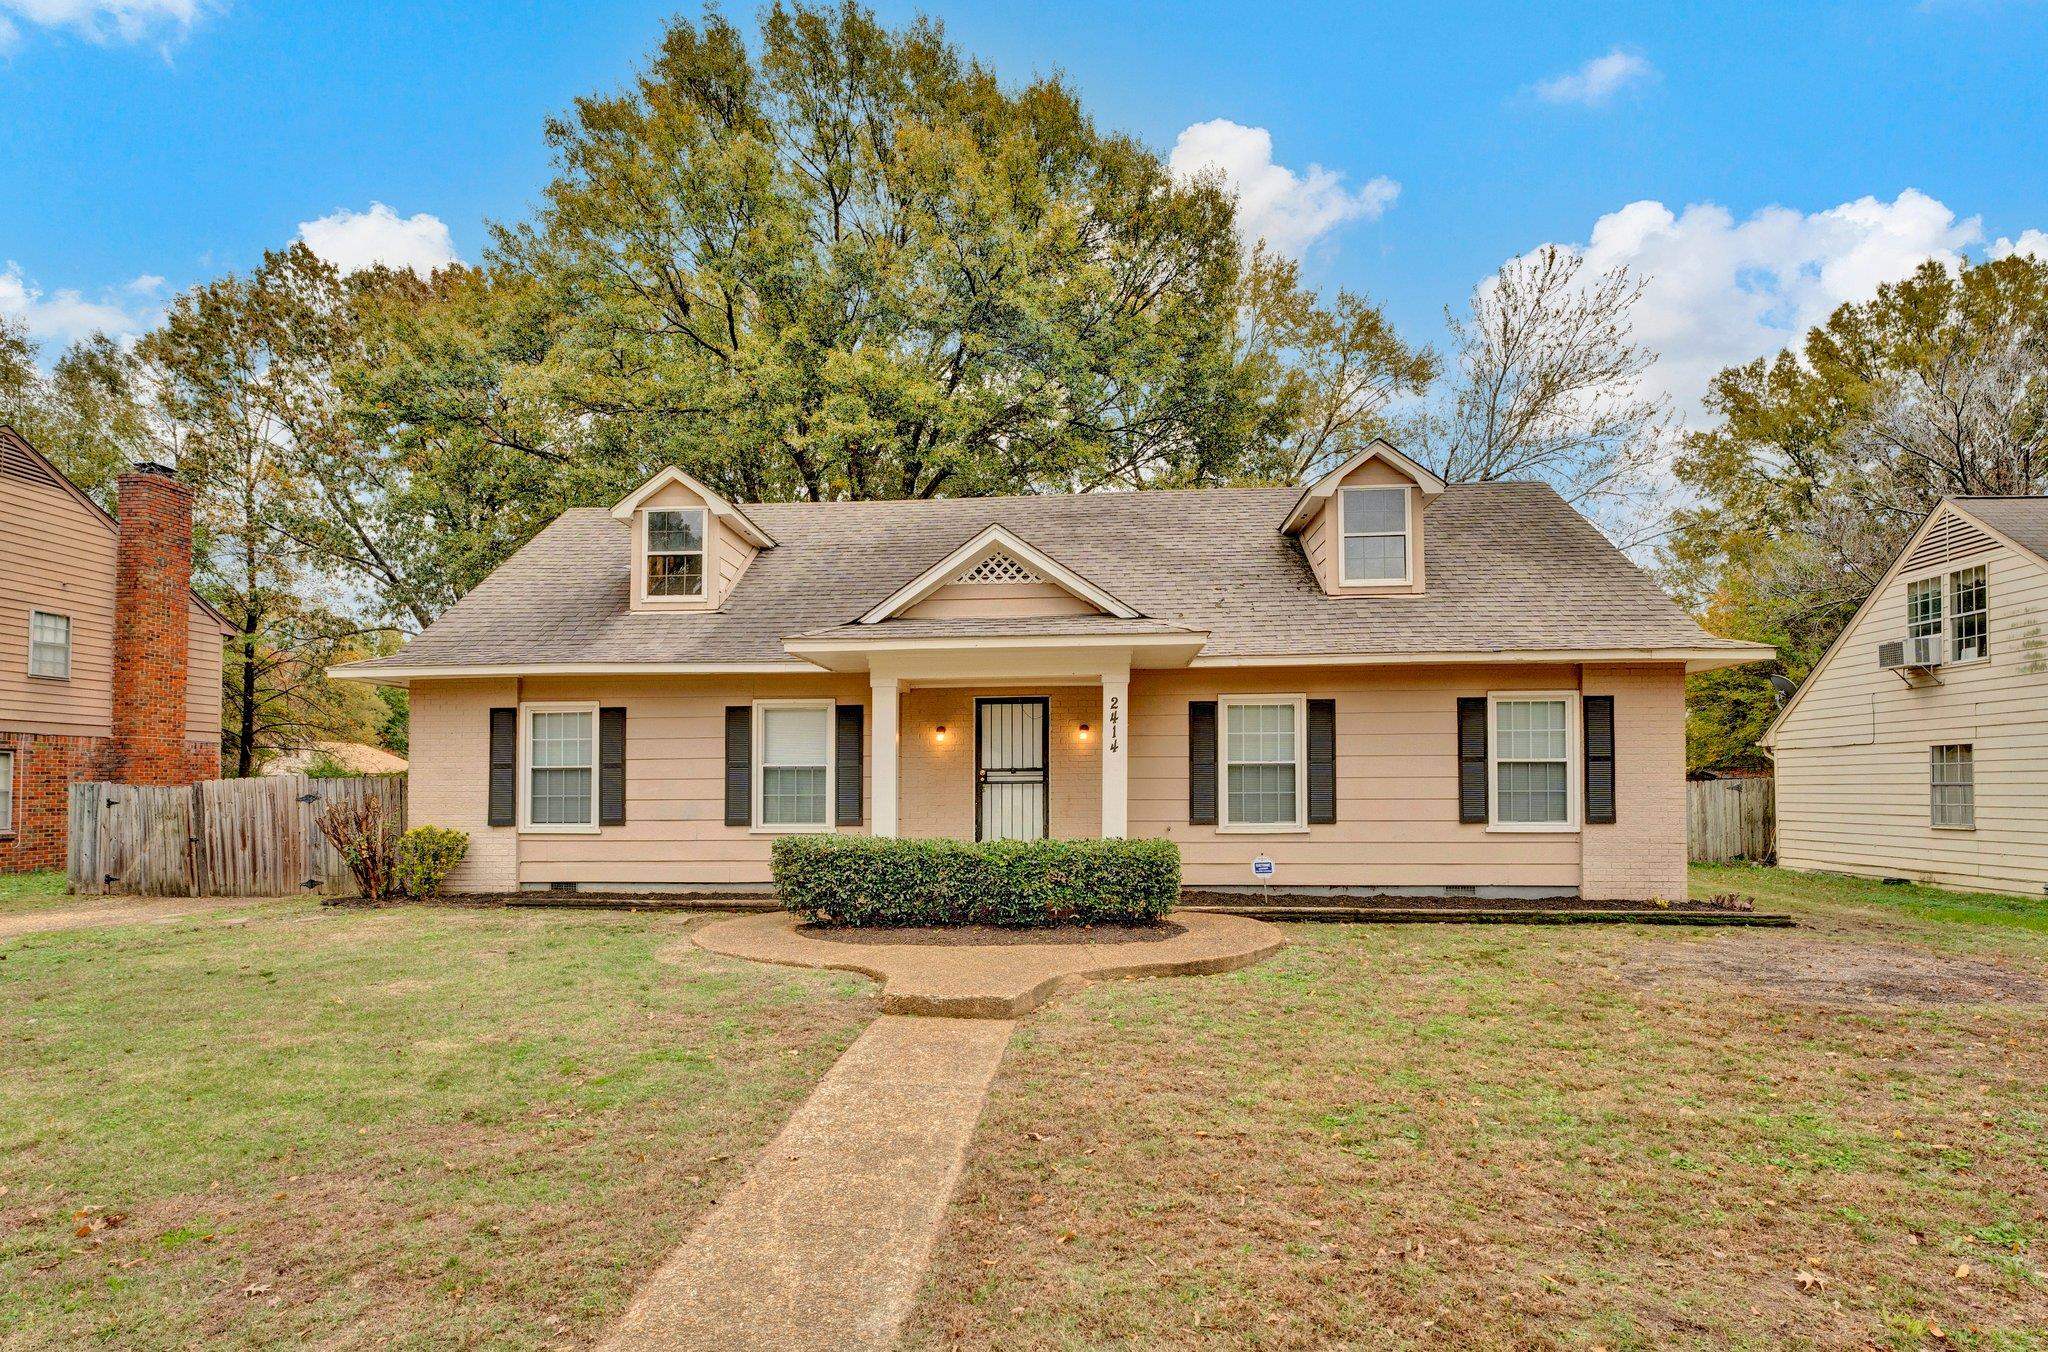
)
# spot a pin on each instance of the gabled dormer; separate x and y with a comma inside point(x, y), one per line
point(1360, 526)
point(690, 544)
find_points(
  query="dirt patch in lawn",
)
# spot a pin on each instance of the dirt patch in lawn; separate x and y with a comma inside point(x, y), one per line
point(1845, 975)
point(962, 936)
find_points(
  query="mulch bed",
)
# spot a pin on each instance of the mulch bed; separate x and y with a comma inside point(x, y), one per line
point(1252, 901)
point(961, 936)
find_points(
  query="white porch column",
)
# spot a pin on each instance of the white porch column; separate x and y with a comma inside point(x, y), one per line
point(1116, 755)
point(882, 757)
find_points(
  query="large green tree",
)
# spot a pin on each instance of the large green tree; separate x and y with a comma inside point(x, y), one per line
point(241, 368)
point(89, 412)
point(1825, 459)
point(855, 264)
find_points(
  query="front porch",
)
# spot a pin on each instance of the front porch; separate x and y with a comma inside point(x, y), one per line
point(987, 758)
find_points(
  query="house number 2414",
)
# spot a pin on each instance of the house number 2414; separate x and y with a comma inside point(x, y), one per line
point(1116, 715)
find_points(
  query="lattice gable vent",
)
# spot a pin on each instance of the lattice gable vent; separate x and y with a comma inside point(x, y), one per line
point(997, 567)
point(1948, 540)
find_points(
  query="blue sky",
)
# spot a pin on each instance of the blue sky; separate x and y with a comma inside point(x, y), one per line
point(1757, 163)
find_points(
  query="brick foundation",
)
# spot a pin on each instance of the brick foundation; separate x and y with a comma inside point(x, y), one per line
point(45, 768)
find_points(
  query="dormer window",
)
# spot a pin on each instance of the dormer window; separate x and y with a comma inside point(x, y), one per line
point(1375, 526)
point(675, 552)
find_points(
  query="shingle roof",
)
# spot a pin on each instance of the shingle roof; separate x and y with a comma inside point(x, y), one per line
point(2023, 520)
point(1509, 567)
point(1017, 626)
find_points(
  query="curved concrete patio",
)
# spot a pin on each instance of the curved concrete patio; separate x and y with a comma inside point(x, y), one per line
point(993, 981)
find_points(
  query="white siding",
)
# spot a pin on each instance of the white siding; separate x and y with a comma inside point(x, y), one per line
point(1852, 755)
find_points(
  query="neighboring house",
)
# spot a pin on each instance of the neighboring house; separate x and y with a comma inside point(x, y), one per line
point(352, 757)
point(110, 667)
point(1918, 747)
point(1376, 682)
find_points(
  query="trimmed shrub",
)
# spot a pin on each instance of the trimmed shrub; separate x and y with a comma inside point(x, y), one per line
point(426, 856)
point(862, 880)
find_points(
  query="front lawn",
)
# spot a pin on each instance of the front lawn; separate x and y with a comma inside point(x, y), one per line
point(288, 1125)
point(1835, 1136)
point(20, 892)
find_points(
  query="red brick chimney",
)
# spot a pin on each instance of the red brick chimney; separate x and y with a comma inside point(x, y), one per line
point(152, 627)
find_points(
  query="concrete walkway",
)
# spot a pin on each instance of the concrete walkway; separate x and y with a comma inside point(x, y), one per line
point(825, 1241)
point(995, 981)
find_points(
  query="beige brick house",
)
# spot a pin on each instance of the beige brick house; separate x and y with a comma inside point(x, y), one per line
point(1378, 682)
point(110, 666)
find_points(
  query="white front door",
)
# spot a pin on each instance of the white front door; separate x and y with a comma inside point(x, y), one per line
point(1009, 768)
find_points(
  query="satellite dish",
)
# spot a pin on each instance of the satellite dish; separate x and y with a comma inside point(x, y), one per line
point(1783, 689)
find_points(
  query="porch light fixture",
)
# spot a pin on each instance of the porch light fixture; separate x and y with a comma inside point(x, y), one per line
point(1084, 732)
point(939, 733)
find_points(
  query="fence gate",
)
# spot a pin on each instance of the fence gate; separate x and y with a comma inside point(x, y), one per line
point(1731, 819)
point(223, 837)
point(145, 840)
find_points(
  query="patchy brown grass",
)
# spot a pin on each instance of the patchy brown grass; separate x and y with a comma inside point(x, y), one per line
point(352, 1128)
point(1529, 1137)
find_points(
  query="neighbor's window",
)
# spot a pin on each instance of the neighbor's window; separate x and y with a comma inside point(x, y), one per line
point(1375, 534)
point(49, 644)
point(675, 551)
point(794, 755)
point(1952, 787)
point(561, 767)
point(1531, 746)
point(1968, 611)
point(6, 792)
point(1923, 607)
point(1262, 763)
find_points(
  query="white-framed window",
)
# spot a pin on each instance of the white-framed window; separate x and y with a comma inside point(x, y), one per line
point(6, 793)
point(558, 767)
point(49, 645)
point(1969, 607)
point(1952, 786)
point(793, 764)
point(1374, 535)
point(1532, 752)
point(1263, 762)
point(675, 551)
point(1923, 607)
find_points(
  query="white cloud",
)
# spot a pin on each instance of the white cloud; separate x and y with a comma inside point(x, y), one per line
point(1289, 211)
point(102, 20)
point(2033, 243)
point(1718, 291)
point(64, 316)
point(354, 240)
point(1596, 82)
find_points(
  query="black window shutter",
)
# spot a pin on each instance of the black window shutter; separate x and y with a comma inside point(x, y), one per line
point(611, 767)
point(504, 767)
point(739, 765)
point(847, 758)
point(1598, 711)
point(1322, 761)
point(1472, 759)
point(1202, 762)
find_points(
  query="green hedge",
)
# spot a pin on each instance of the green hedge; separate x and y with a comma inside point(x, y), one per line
point(861, 880)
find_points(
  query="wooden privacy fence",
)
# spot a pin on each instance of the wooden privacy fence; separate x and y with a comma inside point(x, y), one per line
point(1730, 819)
point(223, 837)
